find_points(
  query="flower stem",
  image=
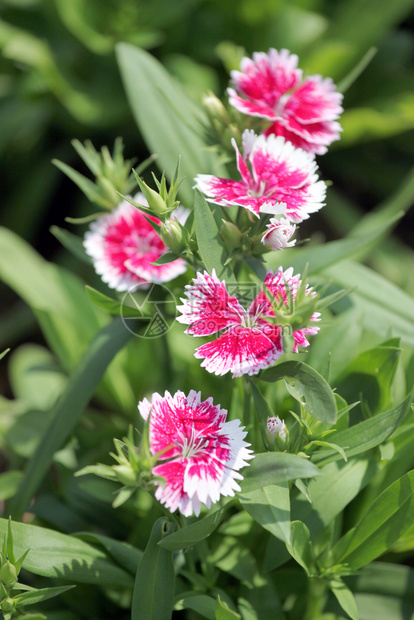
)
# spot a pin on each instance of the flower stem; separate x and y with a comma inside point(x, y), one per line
point(316, 598)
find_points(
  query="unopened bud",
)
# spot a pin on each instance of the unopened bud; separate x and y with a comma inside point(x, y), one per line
point(8, 574)
point(7, 605)
point(231, 234)
point(215, 108)
point(126, 475)
point(172, 236)
point(155, 202)
point(276, 427)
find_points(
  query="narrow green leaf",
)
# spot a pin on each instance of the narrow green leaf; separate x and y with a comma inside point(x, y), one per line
point(275, 467)
point(73, 401)
point(153, 594)
point(112, 306)
point(345, 598)
point(200, 603)
point(211, 247)
point(84, 184)
point(223, 611)
point(166, 117)
point(37, 596)
point(263, 412)
point(389, 516)
point(270, 507)
point(367, 434)
point(359, 68)
point(166, 258)
point(9, 483)
point(127, 556)
point(53, 554)
point(307, 386)
point(86, 219)
point(4, 353)
point(195, 532)
point(71, 242)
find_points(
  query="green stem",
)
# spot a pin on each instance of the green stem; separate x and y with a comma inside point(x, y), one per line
point(315, 599)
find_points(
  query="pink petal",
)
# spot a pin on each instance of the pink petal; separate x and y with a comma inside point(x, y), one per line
point(241, 350)
point(251, 108)
point(172, 493)
point(316, 100)
point(208, 307)
point(123, 244)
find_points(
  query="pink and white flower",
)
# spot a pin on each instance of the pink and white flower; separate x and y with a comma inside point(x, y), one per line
point(275, 426)
point(123, 245)
point(201, 453)
point(251, 339)
point(279, 234)
point(276, 178)
point(305, 111)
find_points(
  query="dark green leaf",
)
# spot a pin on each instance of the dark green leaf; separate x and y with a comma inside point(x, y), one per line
point(72, 403)
point(367, 434)
point(112, 306)
point(71, 242)
point(53, 554)
point(9, 483)
point(194, 533)
point(270, 507)
point(153, 595)
point(223, 611)
point(344, 597)
point(127, 556)
point(299, 546)
point(307, 386)
point(211, 247)
point(275, 467)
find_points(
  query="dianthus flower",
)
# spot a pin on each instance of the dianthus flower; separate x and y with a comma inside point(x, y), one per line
point(201, 452)
point(280, 179)
point(303, 111)
point(279, 233)
point(123, 244)
point(251, 339)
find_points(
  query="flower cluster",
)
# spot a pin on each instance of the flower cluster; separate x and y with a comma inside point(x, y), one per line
point(195, 455)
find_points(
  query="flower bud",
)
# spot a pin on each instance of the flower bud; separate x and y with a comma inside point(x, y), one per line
point(172, 236)
point(8, 574)
point(126, 475)
point(155, 202)
point(215, 108)
point(7, 605)
point(276, 427)
point(231, 234)
point(279, 233)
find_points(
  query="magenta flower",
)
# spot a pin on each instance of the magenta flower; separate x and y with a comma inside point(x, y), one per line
point(279, 233)
point(201, 453)
point(302, 111)
point(280, 180)
point(123, 245)
point(251, 339)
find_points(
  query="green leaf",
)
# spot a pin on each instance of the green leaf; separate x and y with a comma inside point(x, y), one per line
point(367, 434)
point(384, 308)
point(71, 242)
point(323, 256)
point(195, 532)
point(359, 68)
point(127, 556)
point(200, 603)
point(86, 219)
point(384, 578)
point(53, 554)
point(112, 306)
point(4, 353)
point(389, 516)
point(166, 117)
point(270, 507)
point(223, 611)
point(344, 597)
point(153, 594)
point(371, 374)
point(263, 412)
point(275, 467)
point(9, 483)
point(37, 596)
point(307, 386)
point(211, 247)
point(72, 403)
point(299, 546)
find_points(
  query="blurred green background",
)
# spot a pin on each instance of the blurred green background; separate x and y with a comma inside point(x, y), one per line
point(59, 80)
